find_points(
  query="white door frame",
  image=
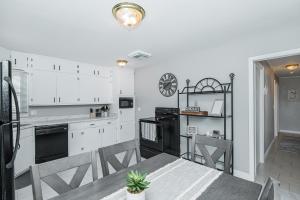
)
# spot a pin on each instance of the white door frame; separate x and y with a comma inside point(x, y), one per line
point(252, 100)
point(276, 106)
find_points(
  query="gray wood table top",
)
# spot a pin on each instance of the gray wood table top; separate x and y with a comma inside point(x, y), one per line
point(116, 181)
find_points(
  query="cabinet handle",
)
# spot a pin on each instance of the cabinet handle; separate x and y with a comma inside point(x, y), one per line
point(98, 99)
point(92, 124)
point(54, 99)
point(82, 133)
point(98, 72)
point(120, 91)
point(108, 122)
point(121, 127)
point(58, 99)
point(94, 99)
point(94, 72)
point(77, 66)
point(53, 67)
point(103, 130)
point(31, 99)
point(72, 135)
point(82, 148)
point(15, 61)
point(59, 67)
point(78, 99)
point(99, 130)
point(77, 71)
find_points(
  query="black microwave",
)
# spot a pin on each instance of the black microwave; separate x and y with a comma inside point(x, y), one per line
point(125, 102)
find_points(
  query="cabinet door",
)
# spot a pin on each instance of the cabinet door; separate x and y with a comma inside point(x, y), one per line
point(86, 90)
point(44, 63)
point(127, 132)
point(109, 134)
point(20, 60)
point(76, 143)
point(42, 88)
point(92, 138)
point(126, 82)
point(104, 87)
point(67, 89)
point(126, 115)
point(67, 66)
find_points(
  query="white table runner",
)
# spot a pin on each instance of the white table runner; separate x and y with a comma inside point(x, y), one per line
point(179, 180)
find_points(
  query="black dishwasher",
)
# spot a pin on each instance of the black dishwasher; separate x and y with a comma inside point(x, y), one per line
point(51, 142)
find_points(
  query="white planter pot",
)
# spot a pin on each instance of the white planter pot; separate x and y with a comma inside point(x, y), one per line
point(139, 196)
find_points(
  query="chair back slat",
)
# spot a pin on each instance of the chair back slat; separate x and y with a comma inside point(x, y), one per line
point(47, 172)
point(223, 147)
point(108, 155)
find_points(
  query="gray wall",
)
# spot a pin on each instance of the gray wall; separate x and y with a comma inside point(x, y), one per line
point(289, 110)
point(268, 106)
point(215, 62)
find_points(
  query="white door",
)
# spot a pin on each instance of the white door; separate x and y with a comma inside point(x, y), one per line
point(109, 134)
point(126, 132)
point(67, 89)
point(42, 88)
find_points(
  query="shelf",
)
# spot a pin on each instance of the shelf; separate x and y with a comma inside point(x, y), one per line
point(205, 92)
point(204, 116)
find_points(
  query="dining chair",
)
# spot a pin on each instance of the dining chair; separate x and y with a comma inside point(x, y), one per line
point(47, 172)
point(108, 155)
point(270, 190)
point(222, 147)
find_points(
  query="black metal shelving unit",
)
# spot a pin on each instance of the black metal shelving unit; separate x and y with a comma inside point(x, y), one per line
point(209, 86)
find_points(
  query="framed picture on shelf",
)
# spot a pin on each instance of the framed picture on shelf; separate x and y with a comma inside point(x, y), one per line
point(217, 108)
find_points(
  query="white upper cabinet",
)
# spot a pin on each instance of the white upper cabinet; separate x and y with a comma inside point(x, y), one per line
point(44, 63)
point(21, 60)
point(42, 88)
point(67, 91)
point(126, 82)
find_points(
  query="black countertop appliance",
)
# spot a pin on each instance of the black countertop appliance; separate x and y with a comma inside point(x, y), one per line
point(160, 133)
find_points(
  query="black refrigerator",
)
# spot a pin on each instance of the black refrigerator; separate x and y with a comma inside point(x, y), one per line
point(7, 150)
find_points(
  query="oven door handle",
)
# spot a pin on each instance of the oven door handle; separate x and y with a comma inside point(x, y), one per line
point(50, 131)
point(10, 164)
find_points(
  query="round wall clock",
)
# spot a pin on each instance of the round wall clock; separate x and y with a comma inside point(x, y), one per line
point(167, 84)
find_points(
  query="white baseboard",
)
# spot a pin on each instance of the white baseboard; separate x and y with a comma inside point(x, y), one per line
point(269, 148)
point(241, 174)
point(289, 131)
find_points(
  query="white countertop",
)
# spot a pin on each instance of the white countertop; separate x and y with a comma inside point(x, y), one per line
point(29, 122)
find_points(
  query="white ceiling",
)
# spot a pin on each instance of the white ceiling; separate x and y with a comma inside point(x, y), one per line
point(278, 66)
point(85, 30)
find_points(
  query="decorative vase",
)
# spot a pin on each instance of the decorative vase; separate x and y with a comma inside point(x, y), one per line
point(138, 196)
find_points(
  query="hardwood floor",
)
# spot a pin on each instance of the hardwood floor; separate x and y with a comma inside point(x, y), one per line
point(283, 166)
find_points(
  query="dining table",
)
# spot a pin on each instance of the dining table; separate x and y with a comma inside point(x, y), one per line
point(171, 178)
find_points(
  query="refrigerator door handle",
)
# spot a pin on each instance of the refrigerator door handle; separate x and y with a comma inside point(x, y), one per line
point(11, 162)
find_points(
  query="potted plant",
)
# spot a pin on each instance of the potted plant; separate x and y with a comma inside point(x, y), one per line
point(136, 185)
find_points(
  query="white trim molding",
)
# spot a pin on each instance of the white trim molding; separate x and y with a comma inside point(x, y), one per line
point(252, 99)
point(269, 148)
point(289, 131)
point(241, 174)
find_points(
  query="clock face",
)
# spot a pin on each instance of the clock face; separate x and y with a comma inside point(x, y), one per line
point(167, 84)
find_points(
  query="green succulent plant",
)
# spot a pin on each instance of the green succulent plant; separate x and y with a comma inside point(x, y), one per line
point(136, 182)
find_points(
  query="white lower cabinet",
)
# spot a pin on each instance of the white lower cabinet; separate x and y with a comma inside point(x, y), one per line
point(109, 133)
point(126, 132)
point(84, 137)
point(26, 154)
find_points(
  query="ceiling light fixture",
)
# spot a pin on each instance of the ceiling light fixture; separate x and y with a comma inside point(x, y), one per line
point(122, 62)
point(292, 67)
point(128, 14)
